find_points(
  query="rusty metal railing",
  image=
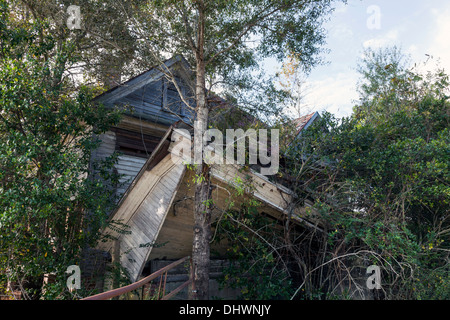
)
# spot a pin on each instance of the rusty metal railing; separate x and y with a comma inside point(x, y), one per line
point(136, 285)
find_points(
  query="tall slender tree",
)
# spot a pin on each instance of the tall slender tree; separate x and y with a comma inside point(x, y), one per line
point(225, 41)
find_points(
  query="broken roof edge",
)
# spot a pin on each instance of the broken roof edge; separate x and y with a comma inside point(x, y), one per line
point(265, 182)
point(164, 148)
point(147, 163)
point(138, 81)
point(160, 151)
point(262, 182)
point(304, 122)
point(301, 124)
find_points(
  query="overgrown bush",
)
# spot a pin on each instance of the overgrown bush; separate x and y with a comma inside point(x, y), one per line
point(51, 206)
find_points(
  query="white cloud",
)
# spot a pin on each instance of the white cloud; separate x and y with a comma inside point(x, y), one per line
point(341, 32)
point(412, 50)
point(334, 94)
point(389, 38)
point(440, 45)
point(418, 30)
point(341, 8)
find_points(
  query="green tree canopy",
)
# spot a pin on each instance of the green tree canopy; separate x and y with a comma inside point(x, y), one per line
point(50, 207)
point(380, 180)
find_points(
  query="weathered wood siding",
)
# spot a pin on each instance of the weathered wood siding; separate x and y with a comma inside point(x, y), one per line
point(106, 148)
point(143, 211)
point(157, 209)
point(127, 167)
point(175, 238)
point(151, 96)
point(154, 102)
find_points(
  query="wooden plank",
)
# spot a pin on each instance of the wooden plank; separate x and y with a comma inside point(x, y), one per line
point(145, 113)
point(134, 146)
point(170, 180)
point(138, 137)
point(136, 83)
point(144, 220)
point(142, 188)
point(137, 190)
point(139, 239)
point(177, 229)
point(150, 205)
point(276, 196)
point(139, 125)
point(166, 185)
point(132, 203)
point(129, 170)
point(156, 220)
point(147, 224)
point(151, 93)
point(158, 156)
point(179, 170)
point(265, 190)
point(129, 165)
point(144, 108)
point(151, 213)
point(145, 210)
point(129, 249)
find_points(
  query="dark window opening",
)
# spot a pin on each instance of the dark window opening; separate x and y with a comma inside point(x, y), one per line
point(134, 143)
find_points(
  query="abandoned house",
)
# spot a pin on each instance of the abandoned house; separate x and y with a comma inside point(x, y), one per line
point(156, 191)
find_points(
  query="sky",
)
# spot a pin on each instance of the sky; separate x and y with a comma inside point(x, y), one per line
point(418, 27)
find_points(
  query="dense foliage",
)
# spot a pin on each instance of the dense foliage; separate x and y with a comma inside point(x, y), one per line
point(375, 185)
point(50, 209)
point(379, 181)
point(255, 249)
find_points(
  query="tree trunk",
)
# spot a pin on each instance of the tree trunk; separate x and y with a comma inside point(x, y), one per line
point(202, 212)
point(202, 235)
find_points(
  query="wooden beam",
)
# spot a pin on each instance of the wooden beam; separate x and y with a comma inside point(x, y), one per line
point(154, 74)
